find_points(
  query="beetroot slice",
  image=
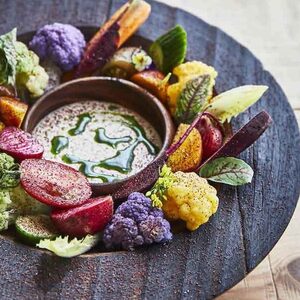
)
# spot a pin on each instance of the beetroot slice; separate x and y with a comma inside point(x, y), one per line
point(20, 144)
point(54, 184)
point(89, 218)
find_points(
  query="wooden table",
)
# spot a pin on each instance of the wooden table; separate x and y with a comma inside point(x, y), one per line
point(270, 29)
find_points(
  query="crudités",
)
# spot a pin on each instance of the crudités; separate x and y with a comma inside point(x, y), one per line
point(105, 141)
point(46, 177)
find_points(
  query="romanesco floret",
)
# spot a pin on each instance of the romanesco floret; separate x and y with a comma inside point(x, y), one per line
point(29, 73)
point(9, 172)
point(135, 223)
point(4, 209)
point(188, 197)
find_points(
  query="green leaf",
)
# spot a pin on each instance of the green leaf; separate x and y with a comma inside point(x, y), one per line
point(235, 101)
point(62, 247)
point(192, 99)
point(8, 58)
point(228, 170)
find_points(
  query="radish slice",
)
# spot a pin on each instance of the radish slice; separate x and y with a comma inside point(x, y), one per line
point(89, 218)
point(54, 184)
point(20, 144)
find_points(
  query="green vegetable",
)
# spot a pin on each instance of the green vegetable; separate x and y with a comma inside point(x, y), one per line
point(19, 66)
point(9, 172)
point(29, 73)
point(192, 99)
point(4, 209)
point(61, 246)
point(227, 170)
point(32, 229)
point(24, 204)
point(169, 50)
point(158, 192)
point(233, 102)
point(8, 58)
point(15, 202)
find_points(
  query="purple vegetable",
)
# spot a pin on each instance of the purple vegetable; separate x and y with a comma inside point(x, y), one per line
point(62, 43)
point(136, 222)
point(244, 137)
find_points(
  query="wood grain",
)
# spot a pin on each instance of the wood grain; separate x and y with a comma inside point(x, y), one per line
point(198, 265)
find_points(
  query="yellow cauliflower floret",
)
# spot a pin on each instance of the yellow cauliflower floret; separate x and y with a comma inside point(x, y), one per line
point(191, 199)
point(186, 72)
point(188, 156)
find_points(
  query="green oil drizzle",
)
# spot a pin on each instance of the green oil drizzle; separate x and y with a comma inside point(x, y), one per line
point(102, 138)
point(58, 143)
point(123, 159)
point(83, 121)
point(88, 168)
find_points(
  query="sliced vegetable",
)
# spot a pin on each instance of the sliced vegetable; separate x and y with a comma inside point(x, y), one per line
point(212, 137)
point(235, 101)
point(54, 184)
point(243, 138)
point(8, 60)
point(193, 99)
point(153, 81)
point(126, 62)
point(169, 50)
point(112, 35)
point(20, 144)
point(64, 247)
point(12, 111)
point(188, 156)
point(24, 204)
point(227, 170)
point(32, 229)
point(89, 218)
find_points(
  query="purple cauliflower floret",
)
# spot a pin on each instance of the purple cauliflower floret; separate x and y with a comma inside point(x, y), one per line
point(136, 222)
point(62, 43)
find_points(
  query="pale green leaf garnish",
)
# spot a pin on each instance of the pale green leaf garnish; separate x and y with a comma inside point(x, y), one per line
point(233, 102)
point(8, 58)
point(227, 170)
point(192, 99)
point(64, 247)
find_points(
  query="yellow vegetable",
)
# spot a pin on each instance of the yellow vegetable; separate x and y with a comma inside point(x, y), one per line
point(190, 199)
point(2, 125)
point(184, 196)
point(186, 72)
point(188, 156)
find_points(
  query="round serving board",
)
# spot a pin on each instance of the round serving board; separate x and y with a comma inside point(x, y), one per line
point(198, 265)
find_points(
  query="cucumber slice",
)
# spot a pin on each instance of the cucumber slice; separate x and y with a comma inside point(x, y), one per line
point(169, 50)
point(32, 229)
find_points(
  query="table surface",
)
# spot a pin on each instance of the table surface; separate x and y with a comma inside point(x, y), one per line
point(270, 29)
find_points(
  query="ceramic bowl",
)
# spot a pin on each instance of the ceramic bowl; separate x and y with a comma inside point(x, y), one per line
point(117, 91)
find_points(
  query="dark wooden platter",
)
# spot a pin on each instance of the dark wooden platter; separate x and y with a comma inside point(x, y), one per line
point(198, 265)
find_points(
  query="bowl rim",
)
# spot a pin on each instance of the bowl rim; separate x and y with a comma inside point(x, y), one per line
point(168, 123)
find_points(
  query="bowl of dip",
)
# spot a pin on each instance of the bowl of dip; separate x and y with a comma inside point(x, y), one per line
point(111, 130)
